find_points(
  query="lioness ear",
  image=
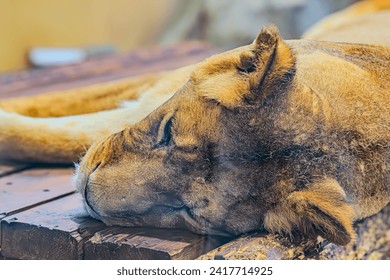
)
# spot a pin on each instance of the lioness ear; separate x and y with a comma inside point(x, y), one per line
point(267, 63)
point(271, 59)
point(320, 209)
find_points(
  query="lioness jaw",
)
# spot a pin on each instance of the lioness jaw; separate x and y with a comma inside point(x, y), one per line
point(266, 136)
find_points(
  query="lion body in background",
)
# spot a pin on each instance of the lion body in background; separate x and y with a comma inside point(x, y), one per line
point(364, 23)
point(283, 135)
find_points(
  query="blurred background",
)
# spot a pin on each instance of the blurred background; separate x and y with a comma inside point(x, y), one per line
point(104, 26)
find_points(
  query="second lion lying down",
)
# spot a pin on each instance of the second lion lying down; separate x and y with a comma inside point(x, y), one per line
point(286, 136)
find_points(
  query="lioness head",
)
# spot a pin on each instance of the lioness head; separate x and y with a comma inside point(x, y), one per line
point(215, 158)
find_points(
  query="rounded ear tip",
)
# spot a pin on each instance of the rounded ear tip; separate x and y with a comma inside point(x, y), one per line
point(268, 35)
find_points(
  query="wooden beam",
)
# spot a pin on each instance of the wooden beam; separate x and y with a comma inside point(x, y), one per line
point(7, 169)
point(54, 230)
point(29, 188)
point(32, 187)
point(146, 243)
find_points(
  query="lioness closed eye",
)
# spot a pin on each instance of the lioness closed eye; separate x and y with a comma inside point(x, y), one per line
point(286, 136)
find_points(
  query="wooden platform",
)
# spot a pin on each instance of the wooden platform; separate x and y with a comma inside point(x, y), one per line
point(41, 216)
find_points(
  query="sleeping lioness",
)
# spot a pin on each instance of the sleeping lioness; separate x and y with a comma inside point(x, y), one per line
point(277, 135)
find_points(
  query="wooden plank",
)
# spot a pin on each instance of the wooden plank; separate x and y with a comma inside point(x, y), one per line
point(103, 69)
point(55, 230)
point(31, 187)
point(153, 244)
point(7, 169)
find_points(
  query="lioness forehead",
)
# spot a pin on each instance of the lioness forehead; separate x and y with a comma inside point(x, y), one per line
point(217, 79)
point(220, 63)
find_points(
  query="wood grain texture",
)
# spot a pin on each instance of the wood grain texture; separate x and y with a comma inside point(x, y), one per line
point(31, 187)
point(153, 244)
point(55, 230)
point(33, 81)
point(7, 169)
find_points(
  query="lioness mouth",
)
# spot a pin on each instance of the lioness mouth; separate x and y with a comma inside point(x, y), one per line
point(195, 226)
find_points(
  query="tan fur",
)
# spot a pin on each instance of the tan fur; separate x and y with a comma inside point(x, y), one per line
point(286, 135)
point(90, 99)
point(39, 135)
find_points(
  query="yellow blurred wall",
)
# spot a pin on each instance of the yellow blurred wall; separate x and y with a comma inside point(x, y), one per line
point(125, 23)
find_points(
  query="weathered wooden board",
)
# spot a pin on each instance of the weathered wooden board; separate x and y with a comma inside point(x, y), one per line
point(26, 189)
point(6, 169)
point(31, 187)
point(103, 69)
point(152, 244)
point(55, 230)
